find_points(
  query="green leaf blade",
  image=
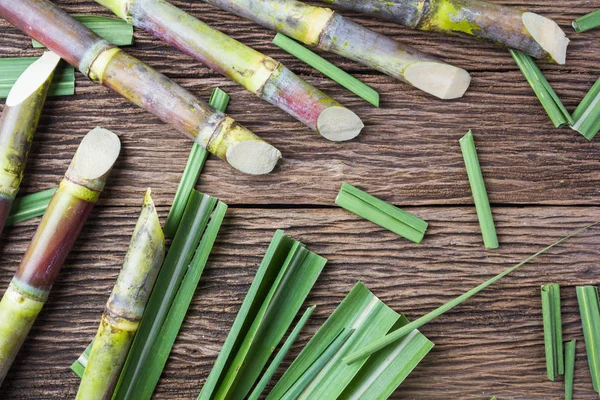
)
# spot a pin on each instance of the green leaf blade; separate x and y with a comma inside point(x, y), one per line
point(553, 343)
point(381, 213)
point(480, 197)
point(570, 348)
point(589, 308)
point(326, 68)
point(587, 22)
point(547, 96)
point(114, 30)
point(63, 81)
point(587, 113)
point(29, 206)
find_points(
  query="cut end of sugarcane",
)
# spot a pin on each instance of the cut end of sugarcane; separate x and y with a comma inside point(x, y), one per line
point(32, 78)
point(339, 124)
point(96, 154)
point(253, 157)
point(548, 35)
point(441, 80)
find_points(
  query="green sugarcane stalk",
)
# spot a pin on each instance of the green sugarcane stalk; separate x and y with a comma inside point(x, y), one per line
point(530, 33)
point(131, 78)
point(67, 212)
point(125, 306)
point(257, 72)
point(18, 124)
point(321, 27)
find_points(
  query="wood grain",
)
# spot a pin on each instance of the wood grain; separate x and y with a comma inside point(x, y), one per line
point(543, 183)
point(491, 345)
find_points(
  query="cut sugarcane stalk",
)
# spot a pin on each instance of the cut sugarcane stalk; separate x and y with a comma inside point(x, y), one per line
point(142, 85)
point(531, 33)
point(56, 234)
point(63, 82)
point(125, 306)
point(258, 73)
point(321, 27)
point(18, 124)
point(396, 335)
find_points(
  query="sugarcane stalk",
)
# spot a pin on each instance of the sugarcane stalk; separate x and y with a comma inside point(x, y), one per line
point(321, 27)
point(528, 32)
point(56, 234)
point(18, 124)
point(125, 306)
point(110, 66)
point(257, 72)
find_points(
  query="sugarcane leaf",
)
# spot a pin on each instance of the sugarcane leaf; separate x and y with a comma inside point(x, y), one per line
point(288, 292)
point(326, 68)
point(589, 308)
point(587, 113)
point(587, 22)
point(114, 30)
point(187, 238)
point(480, 197)
point(367, 316)
point(377, 345)
point(548, 98)
point(381, 213)
point(570, 348)
point(161, 347)
point(553, 343)
point(79, 365)
point(29, 206)
point(63, 81)
point(386, 370)
point(264, 380)
point(265, 275)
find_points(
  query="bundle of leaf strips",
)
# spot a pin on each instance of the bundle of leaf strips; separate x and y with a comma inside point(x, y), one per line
point(331, 71)
point(553, 343)
point(114, 30)
point(63, 81)
point(286, 275)
point(589, 308)
point(587, 113)
point(198, 155)
point(319, 372)
point(29, 206)
point(587, 22)
point(548, 98)
point(381, 213)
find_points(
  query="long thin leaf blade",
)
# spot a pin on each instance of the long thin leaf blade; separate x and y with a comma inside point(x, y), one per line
point(553, 343)
point(399, 333)
point(570, 348)
point(63, 81)
point(264, 380)
point(29, 206)
point(589, 308)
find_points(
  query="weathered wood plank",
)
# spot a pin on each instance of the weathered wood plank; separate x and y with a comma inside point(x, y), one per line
point(408, 152)
point(491, 345)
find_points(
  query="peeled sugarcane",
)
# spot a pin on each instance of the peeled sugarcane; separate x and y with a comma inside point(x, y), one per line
point(259, 73)
point(125, 306)
point(321, 27)
point(18, 124)
point(67, 212)
point(531, 33)
point(110, 66)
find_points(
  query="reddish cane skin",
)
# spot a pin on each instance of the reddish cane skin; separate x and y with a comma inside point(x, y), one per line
point(5, 205)
point(50, 26)
point(53, 240)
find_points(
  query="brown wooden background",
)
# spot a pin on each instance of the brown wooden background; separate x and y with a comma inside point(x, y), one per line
point(542, 182)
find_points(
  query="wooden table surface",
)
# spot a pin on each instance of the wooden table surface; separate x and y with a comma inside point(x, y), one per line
point(542, 183)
